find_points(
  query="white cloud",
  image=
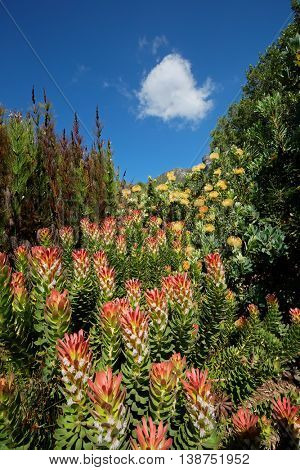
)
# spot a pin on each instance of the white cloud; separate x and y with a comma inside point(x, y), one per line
point(158, 42)
point(81, 70)
point(170, 91)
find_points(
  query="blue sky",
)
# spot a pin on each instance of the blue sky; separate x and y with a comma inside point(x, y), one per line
point(162, 72)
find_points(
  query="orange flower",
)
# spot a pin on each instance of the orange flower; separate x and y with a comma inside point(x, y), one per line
point(245, 422)
point(150, 437)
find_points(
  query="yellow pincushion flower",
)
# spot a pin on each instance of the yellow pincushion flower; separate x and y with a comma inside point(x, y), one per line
point(184, 201)
point(209, 228)
point(208, 187)
point(200, 166)
point(239, 152)
point(189, 250)
point(171, 176)
point(186, 265)
point(222, 185)
point(177, 226)
point(239, 171)
point(214, 156)
point(213, 195)
point(235, 242)
point(162, 187)
point(227, 202)
point(199, 202)
point(211, 217)
point(136, 188)
point(187, 191)
point(217, 172)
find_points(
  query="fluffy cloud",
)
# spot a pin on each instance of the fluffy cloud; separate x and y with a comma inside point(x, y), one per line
point(170, 91)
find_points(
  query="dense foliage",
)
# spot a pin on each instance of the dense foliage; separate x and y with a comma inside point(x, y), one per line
point(46, 179)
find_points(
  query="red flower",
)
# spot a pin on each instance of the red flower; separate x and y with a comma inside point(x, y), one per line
point(245, 422)
point(283, 409)
point(152, 437)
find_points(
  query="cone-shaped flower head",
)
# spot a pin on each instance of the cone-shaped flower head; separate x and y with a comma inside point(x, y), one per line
point(108, 230)
point(245, 423)
point(284, 410)
point(46, 264)
point(20, 293)
point(135, 333)
point(151, 437)
point(200, 401)
point(21, 258)
point(179, 291)
point(179, 364)
point(75, 357)
point(151, 245)
point(81, 264)
point(157, 304)
point(106, 280)
point(134, 292)
point(162, 375)
point(100, 260)
point(215, 268)
point(111, 331)
point(44, 237)
point(121, 244)
point(295, 315)
point(109, 411)
point(57, 314)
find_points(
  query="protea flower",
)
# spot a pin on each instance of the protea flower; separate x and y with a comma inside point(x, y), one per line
point(44, 237)
point(162, 390)
point(151, 437)
point(85, 225)
point(109, 411)
point(106, 281)
point(100, 260)
point(200, 401)
point(57, 315)
point(245, 423)
point(179, 364)
point(215, 268)
point(76, 361)
point(108, 230)
point(152, 245)
point(66, 235)
point(121, 244)
point(284, 410)
point(5, 291)
point(111, 331)
point(134, 292)
point(20, 304)
point(295, 315)
point(21, 258)
point(157, 304)
point(135, 334)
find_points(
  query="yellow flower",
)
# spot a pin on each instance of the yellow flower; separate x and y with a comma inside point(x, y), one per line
point(187, 191)
point(199, 167)
point(218, 171)
point(208, 187)
point(203, 209)
point(209, 228)
point(177, 226)
point(184, 201)
point(162, 187)
point(213, 195)
point(136, 188)
point(221, 184)
point(186, 265)
point(189, 250)
point(171, 176)
point(199, 202)
point(235, 242)
point(239, 171)
point(239, 152)
point(159, 221)
point(214, 156)
point(227, 202)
